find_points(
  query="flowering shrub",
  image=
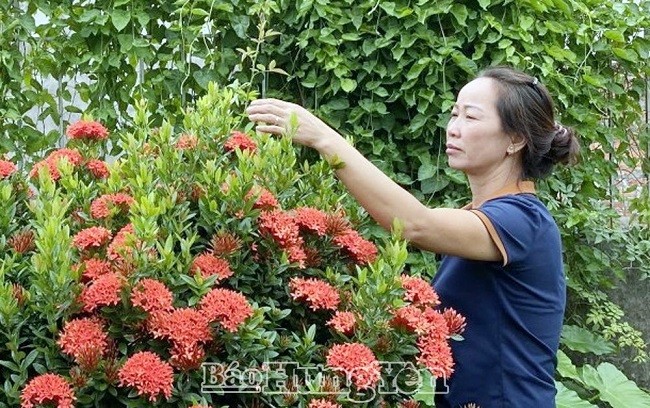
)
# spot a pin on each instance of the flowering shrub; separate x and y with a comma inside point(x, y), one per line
point(205, 267)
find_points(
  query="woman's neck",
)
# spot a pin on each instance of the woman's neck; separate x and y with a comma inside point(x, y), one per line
point(485, 187)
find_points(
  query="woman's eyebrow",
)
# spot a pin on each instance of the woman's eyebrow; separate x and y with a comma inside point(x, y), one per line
point(468, 106)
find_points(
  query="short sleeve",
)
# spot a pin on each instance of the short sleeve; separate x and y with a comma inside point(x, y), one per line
point(512, 222)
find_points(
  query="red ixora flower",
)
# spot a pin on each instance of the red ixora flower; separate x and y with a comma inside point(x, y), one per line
point(282, 227)
point(81, 334)
point(208, 265)
point(227, 307)
point(435, 355)
point(322, 403)
point(151, 295)
point(87, 129)
point(419, 291)
point(98, 168)
point(357, 362)
point(47, 389)
point(118, 249)
point(265, 199)
point(421, 321)
point(187, 357)
point(343, 322)
point(241, 141)
point(101, 206)
point(51, 162)
point(186, 142)
point(148, 374)
point(93, 237)
point(312, 220)
point(317, 293)
point(455, 321)
point(183, 326)
point(104, 291)
point(359, 249)
point(93, 268)
point(7, 168)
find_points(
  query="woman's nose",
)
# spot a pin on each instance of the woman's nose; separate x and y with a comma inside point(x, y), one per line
point(452, 129)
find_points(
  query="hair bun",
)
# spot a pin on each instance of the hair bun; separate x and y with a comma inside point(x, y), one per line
point(564, 146)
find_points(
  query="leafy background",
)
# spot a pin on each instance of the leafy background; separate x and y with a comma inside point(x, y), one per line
point(384, 73)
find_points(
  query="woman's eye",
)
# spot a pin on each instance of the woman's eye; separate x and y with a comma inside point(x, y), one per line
point(454, 114)
point(471, 117)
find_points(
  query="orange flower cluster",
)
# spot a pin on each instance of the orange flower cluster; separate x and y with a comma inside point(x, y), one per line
point(284, 230)
point(317, 293)
point(419, 292)
point(343, 322)
point(229, 308)
point(186, 142)
point(93, 268)
point(435, 354)
point(83, 336)
point(47, 389)
point(101, 206)
point(148, 374)
point(357, 362)
point(93, 237)
point(432, 327)
point(118, 249)
point(264, 199)
point(7, 168)
point(186, 329)
point(151, 296)
point(323, 403)
point(52, 161)
point(241, 141)
point(208, 265)
point(311, 220)
point(455, 321)
point(87, 129)
point(98, 168)
point(359, 249)
point(103, 291)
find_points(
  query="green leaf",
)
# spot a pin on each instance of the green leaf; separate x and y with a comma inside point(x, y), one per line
point(120, 19)
point(417, 68)
point(348, 85)
point(616, 36)
point(566, 398)
point(459, 11)
point(626, 54)
point(484, 3)
point(582, 340)
point(426, 171)
point(427, 389)
point(619, 391)
point(565, 367)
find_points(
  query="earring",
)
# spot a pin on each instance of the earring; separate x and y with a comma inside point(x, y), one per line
point(511, 149)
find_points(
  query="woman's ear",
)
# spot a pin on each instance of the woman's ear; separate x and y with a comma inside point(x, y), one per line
point(516, 144)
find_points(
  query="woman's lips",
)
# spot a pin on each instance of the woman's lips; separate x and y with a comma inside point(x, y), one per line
point(451, 148)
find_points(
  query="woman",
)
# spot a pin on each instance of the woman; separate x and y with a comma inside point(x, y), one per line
point(503, 257)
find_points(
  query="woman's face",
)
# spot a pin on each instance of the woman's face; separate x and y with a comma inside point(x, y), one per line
point(476, 143)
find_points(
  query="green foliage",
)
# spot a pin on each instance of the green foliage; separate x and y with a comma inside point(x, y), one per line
point(605, 383)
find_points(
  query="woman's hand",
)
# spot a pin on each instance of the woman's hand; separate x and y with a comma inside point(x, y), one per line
point(275, 116)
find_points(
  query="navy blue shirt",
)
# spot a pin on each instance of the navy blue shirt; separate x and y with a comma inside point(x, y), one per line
point(514, 309)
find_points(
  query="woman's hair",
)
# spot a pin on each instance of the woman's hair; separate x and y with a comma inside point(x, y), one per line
point(526, 109)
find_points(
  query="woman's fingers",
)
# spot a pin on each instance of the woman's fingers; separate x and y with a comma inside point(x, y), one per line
point(268, 118)
point(274, 130)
